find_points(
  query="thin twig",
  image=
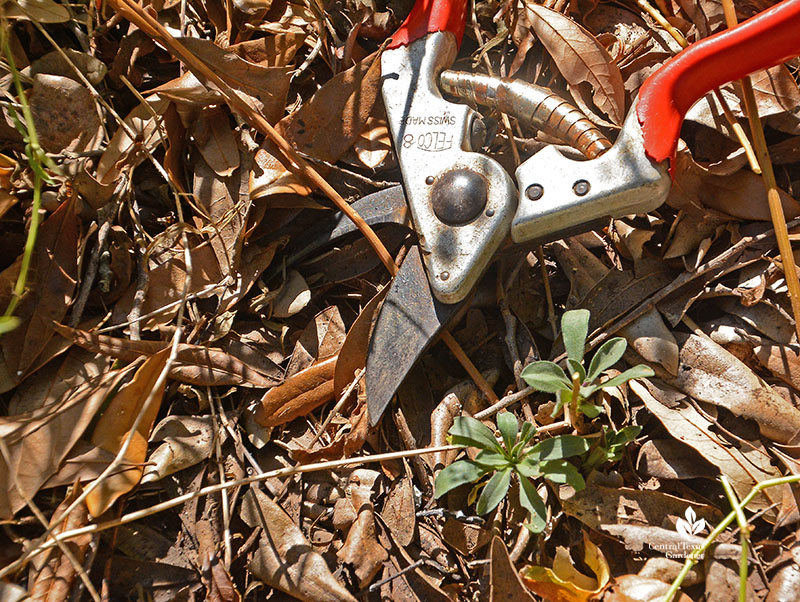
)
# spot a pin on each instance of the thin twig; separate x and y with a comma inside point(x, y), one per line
point(181, 499)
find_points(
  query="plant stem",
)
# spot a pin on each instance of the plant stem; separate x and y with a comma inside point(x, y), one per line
point(698, 552)
point(744, 532)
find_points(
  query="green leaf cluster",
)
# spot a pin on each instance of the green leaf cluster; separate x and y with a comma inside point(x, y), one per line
point(551, 378)
point(510, 456)
point(611, 447)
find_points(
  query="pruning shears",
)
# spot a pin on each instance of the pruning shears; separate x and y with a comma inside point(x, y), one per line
point(464, 205)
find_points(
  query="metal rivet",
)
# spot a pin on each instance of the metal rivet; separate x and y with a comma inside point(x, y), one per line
point(581, 187)
point(429, 180)
point(534, 192)
point(444, 275)
point(489, 212)
point(459, 196)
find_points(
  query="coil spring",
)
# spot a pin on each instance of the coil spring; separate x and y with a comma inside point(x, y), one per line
point(533, 105)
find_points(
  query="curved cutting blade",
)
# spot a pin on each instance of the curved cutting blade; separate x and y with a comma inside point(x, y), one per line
point(408, 322)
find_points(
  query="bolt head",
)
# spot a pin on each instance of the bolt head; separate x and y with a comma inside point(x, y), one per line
point(581, 187)
point(534, 192)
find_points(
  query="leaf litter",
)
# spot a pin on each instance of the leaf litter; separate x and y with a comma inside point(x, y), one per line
point(163, 248)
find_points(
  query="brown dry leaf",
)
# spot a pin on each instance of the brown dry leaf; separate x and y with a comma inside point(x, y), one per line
point(53, 575)
point(785, 584)
point(709, 373)
point(166, 282)
point(374, 143)
point(564, 583)
point(321, 339)
point(285, 559)
point(123, 152)
point(353, 354)
point(361, 549)
point(54, 63)
point(115, 424)
point(187, 440)
point(599, 504)
point(634, 588)
point(219, 586)
point(64, 114)
point(41, 11)
point(741, 194)
point(782, 360)
point(223, 213)
point(670, 459)
point(745, 463)
point(266, 87)
point(505, 582)
point(399, 512)
point(216, 141)
point(299, 395)
point(637, 538)
point(650, 338)
point(271, 51)
point(776, 91)
point(580, 58)
point(7, 197)
point(50, 288)
point(330, 122)
point(194, 364)
point(39, 440)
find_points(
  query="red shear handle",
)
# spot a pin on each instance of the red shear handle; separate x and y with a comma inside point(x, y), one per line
point(429, 16)
point(765, 40)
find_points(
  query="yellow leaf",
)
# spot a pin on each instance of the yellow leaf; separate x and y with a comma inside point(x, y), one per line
point(116, 422)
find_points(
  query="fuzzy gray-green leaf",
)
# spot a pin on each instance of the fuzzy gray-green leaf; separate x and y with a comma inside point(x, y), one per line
point(467, 431)
point(530, 500)
point(494, 492)
point(509, 427)
point(574, 328)
point(609, 354)
point(457, 474)
point(559, 447)
point(545, 376)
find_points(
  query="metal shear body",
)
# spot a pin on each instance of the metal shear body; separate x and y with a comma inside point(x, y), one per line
point(464, 205)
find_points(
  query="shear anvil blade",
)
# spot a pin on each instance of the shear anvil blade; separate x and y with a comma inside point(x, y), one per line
point(408, 322)
point(386, 206)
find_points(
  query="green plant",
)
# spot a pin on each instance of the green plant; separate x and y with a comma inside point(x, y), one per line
point(612, 444)
point(580, 384)
point(511, 457)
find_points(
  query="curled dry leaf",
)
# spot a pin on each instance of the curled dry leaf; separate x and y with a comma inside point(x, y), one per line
point(216, 141)
point(650, 338)
point(635, 588)
point(399, 511)
point(53, 575)
point(194, 364)
point(564, 582)
point(285, 559)
point(116, 422)
point(187, 440)
point(580, 58)
point(299, 395)
point(124, 152)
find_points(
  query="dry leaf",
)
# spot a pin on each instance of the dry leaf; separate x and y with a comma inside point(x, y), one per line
point(580, 58)
point(505, 582)
point(64, 114)
point(114, 425)
point(216, 141)
point(745, 463)
point(53, 576)
point(564, 582)
point(39, 440)
point(122, 151)
point(292, 297)
point(187, 440)
point(709, 373)
point(284, 558)
point(194, 364)
point(42, 11)
point(50, 289)
point(299, 395)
